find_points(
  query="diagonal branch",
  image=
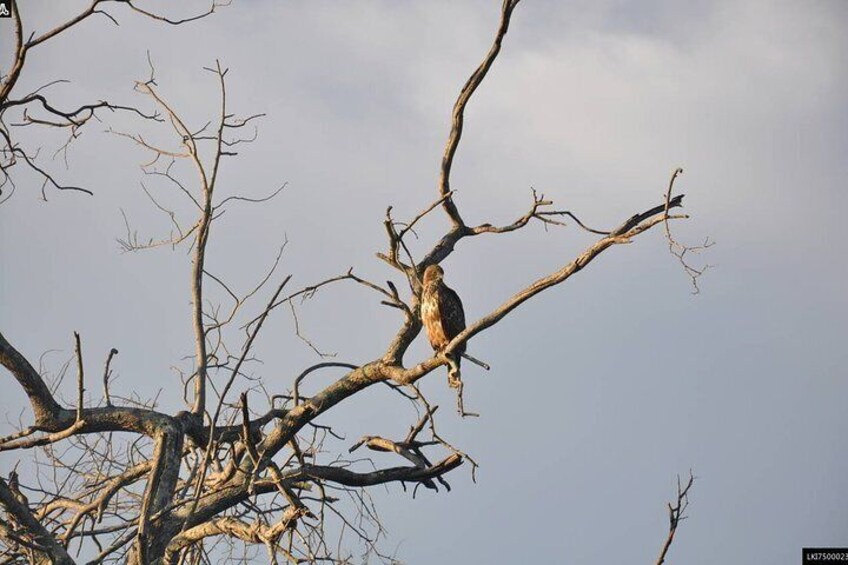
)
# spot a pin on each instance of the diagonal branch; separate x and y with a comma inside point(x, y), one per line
point(623, 234)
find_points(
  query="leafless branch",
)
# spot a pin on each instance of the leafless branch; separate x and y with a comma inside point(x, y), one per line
point(680, 250)
point(458, 114)
point(80, 375)
point(676, 514)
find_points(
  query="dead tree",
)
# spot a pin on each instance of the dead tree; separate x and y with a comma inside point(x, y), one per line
point(134, 484)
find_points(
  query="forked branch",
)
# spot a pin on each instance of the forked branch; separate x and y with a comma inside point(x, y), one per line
point(676, 514)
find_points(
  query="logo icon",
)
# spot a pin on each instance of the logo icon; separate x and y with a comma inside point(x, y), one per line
point(5, 8)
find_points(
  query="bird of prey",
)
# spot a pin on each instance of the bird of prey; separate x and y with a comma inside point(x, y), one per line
point(443, 318)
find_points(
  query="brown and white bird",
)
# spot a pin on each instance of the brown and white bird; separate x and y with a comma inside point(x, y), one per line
point(443, 317)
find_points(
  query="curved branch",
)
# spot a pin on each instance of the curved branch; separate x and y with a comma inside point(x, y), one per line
point(43, 403)
point(169, 21)
point(50, 416)
point(458, 114)
point(306, 372)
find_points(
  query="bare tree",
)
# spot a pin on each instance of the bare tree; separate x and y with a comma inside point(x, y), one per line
point(121, 481)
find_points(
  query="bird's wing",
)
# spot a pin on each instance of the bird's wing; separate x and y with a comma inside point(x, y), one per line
point(452, 314)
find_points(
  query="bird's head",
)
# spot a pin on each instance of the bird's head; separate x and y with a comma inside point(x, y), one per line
point(433, 273)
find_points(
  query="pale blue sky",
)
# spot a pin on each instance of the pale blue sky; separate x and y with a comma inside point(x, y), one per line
point(602, 390)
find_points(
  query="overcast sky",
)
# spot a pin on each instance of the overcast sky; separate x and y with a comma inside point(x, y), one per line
point(601, 390)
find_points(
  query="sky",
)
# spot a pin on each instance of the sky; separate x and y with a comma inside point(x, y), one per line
point(602, 390)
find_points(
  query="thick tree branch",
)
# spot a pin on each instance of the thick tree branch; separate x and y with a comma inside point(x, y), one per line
point(394, 474)
point(167, 459)
point(44, 406)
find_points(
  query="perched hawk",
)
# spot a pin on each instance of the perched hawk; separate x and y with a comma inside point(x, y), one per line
point(443, 317)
